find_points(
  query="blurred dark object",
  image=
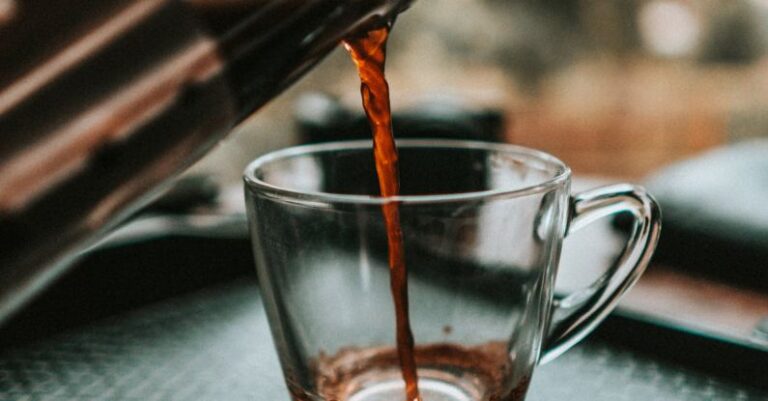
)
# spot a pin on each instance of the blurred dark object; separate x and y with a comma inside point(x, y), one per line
point(736, 34)
point(715, 215)
point(184, 241)
point(717, 355)
point(322, 118)
point(103, 101)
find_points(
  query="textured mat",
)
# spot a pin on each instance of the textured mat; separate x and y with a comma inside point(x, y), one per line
point(215, 345)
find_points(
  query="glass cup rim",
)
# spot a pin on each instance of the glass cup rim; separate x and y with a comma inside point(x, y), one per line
point(253, 183)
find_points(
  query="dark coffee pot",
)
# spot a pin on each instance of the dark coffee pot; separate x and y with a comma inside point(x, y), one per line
point(103, 101)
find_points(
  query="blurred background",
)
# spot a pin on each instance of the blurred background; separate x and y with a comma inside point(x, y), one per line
point(614, 88)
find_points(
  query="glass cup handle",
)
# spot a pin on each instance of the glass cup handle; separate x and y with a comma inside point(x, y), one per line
point(576, 315)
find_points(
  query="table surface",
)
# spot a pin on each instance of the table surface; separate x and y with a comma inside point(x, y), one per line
point(215, 345)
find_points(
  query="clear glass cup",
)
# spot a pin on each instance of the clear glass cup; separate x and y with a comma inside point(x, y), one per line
point(482, 225)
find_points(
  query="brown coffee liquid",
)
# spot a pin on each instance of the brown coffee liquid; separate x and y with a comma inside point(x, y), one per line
point(479, 371)
point(369, 53)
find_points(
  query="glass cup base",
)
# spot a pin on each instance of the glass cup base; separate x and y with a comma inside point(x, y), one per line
point(432, 389)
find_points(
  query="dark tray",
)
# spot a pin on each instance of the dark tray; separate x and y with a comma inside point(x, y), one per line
point(215, 345)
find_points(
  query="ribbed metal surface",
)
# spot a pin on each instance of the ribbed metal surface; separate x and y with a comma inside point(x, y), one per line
point(215, 345)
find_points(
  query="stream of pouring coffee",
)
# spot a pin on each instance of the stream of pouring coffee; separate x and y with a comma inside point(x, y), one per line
point(369, 53)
